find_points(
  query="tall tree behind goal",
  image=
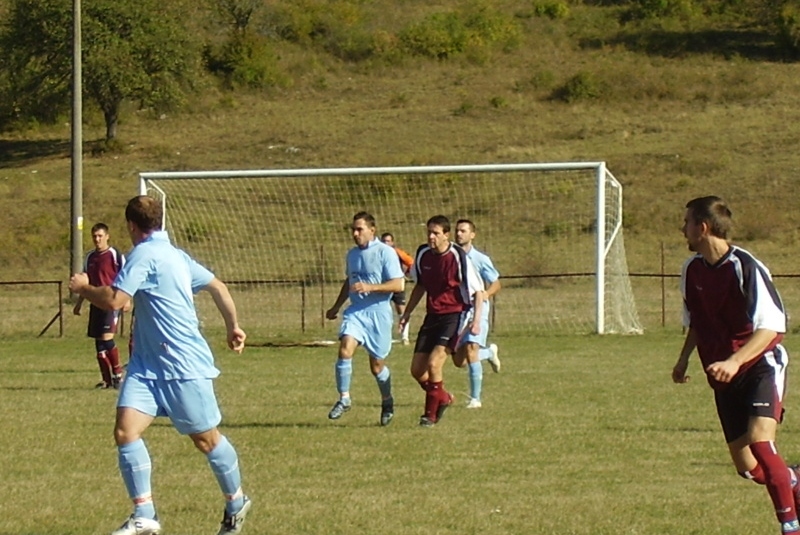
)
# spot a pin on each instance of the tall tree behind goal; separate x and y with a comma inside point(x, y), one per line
point(278, 238)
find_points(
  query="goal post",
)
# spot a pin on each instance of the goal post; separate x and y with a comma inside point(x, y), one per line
point(278, 237)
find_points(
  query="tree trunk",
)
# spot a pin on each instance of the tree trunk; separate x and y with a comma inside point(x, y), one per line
point(112, 119)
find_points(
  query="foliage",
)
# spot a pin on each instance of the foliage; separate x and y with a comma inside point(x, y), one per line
point(131, 50)
point(553, 9)
point(445, 34)
point(245, 61)
point(582, 86)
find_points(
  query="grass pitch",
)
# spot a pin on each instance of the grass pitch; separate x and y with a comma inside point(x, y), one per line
point(578, 435)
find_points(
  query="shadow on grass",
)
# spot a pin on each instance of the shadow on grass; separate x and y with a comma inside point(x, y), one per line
point(17, 153)
point(755, 45)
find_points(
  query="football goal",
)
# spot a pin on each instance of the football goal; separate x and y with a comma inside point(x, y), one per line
point(278, 238)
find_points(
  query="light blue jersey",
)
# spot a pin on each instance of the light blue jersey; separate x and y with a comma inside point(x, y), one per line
point(369, 317)
point(487, 272)
point(375, 264)
point(167, 343)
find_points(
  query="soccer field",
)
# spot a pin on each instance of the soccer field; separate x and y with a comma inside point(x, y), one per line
point(577, 435)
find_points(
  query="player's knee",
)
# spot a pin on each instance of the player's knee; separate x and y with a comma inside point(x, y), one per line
point(206, 441)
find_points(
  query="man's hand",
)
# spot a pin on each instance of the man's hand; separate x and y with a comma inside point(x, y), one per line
point(679, 373)
point(402, 323)
point(77, 282)
point(475, 328)
point(723, 371)
point(332, 313)
point(236, 340)
point(361, 287)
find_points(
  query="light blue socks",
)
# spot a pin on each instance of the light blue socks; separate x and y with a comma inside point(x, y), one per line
point(475, 379)
point(135, 467)
point(225, 464)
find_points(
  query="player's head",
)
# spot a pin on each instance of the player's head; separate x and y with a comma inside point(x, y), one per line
point(438, 232)
point(388, 239)
point(100, 236)
point(144, 216)
point(706, 216)
point(363, 228)
point(465, 232)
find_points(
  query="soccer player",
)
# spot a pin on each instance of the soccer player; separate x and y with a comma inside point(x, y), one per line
point(399, 298)
point(473, 349)
point(736, 320)
point(171, 370)
point(373, 276)
point(453, 307)
point(102, 265)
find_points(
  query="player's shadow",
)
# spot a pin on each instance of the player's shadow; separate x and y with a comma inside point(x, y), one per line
point(271, 425)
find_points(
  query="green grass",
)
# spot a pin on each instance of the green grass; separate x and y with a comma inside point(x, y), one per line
point(578, 435)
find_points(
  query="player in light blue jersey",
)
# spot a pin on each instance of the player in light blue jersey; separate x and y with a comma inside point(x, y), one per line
point(171, 369)
point(473, 348)
point(373, 275)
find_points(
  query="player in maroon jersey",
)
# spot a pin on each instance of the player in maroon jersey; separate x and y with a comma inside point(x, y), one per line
point(736, 320)
point(102, 265)
point(454, 300)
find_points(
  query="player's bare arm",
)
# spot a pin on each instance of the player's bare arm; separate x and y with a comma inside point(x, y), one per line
point(390, 286)
point(493, 288)
point(105, 297)
point(413, 301)
point(77, 308)
point(475, 327)
point(227, 308)
point(724, 371)
point(679, 370)
point(340, 300)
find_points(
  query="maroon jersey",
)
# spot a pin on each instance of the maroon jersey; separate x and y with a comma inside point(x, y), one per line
point(102, 266)
point(726, 302)
point(448, 279)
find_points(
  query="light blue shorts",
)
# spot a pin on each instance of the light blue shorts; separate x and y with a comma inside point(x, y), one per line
point(481, 338)
point(190, 404)
point(371, 327)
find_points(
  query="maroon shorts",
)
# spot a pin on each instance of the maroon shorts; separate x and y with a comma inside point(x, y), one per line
point(757, 392)
point(102, 322)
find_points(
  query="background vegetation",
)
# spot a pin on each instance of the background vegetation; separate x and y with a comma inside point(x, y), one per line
point(681, 98)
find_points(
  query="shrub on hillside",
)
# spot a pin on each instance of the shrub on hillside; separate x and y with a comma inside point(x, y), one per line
point(476, 27)
point(582, 86)
point(552, 9)
point(245, 60)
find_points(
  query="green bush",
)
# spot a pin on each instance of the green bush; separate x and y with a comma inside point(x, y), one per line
point(582, 86)
point(552, 9)
point(246, 60)
point(477, 27)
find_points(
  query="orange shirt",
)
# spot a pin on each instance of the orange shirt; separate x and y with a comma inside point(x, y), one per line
point(405, 259)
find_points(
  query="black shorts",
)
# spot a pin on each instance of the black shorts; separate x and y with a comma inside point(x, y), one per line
point(399, 298)
point(438, 330)
point(757, 392)
point(101, 322)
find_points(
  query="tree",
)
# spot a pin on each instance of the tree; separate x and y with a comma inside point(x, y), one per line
point(136, 50)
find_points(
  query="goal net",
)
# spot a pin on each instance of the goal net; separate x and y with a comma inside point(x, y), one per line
point(278, 238)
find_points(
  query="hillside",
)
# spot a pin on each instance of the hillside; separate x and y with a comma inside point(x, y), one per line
point(694, 115)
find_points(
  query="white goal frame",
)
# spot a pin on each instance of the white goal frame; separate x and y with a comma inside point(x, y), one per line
point(605, 237)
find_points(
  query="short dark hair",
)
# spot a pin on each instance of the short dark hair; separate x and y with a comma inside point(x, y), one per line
point(466, 222)
point(714, 211)
point(366, 216)
point(145, 212)
point(387, 235)
point(99, 226)
point(439, 220)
